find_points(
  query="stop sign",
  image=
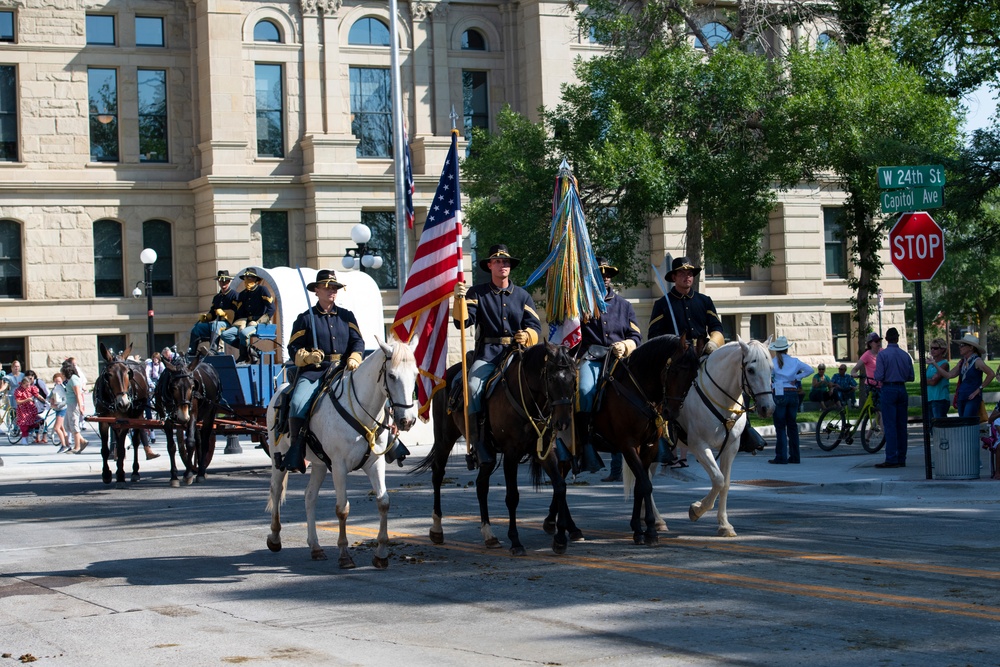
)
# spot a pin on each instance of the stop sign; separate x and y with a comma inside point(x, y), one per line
point(916, 244)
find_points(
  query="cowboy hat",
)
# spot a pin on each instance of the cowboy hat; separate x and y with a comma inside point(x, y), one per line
point(604, 266)
point(780, 344)
point(969, 339)
point(250, 273)
point(680, 264)
point(499, 251)
point(224, 277)
point(326, 278)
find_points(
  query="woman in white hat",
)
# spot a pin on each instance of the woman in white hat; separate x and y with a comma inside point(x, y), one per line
point(973, 374)
point(787, 372)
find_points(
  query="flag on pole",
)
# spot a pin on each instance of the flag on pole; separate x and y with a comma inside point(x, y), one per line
point(437, 266)
point(409, 187)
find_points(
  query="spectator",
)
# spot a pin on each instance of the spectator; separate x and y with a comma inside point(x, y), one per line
point(14, 378)
point(865, 368)
point(41, 402)
point(787, 371)
point(823, 390)
point(893, 369)
point(27, 411)
point(57, 399)
point(974, 375)
point(991, 443)
point(75, 406)
point(845, 386)
point(938, 385)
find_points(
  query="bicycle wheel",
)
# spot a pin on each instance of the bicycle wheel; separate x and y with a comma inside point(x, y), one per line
point(13, 430)
point(830, 428)
point(872, 435)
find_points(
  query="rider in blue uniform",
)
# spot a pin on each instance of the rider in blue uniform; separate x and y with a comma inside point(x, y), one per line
point(322, 336)
point(254, 305)
point(504, 315)
point(212, 323)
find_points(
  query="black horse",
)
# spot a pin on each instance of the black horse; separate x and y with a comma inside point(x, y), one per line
point(188, 396)
point(532, 401)
point(121, 392)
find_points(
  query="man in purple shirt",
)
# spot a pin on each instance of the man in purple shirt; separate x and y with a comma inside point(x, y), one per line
point(894, 368)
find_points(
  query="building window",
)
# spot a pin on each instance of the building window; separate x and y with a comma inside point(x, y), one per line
point(103, 87)
point(716, 34)
point(8, 113)
point(371, 111)
point(149, 31)
point(758, 327)
point(475, 100)
point(266, 31)
point(473, 40)
point(152, 115)
point(162, 340)
point(6, 26)
point(274, 238)
point(10, 260)
point(11, 349)
point(383, 241)
point(156, 235)
point(270, 99)
point(368, 32)
point(825, 41)
point(108, 274)
point(100, 30)
point(833, 237)
point(715, 269)
point(840, 326)
point(729, 327)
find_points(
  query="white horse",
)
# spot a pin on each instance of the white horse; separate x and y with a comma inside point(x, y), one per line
point(388, 374)
point(714, 415)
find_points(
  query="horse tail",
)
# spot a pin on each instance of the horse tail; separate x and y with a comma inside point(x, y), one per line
point(628, 481)
point(281, 498)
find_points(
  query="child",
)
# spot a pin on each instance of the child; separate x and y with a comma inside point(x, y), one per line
point(991, 442)
point(57, 399)
point(27, 410)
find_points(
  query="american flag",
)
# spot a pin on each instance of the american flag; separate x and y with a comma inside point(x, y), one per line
point(409, 187)
point(437, 266)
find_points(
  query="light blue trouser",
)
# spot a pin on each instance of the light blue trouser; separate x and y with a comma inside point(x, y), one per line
point(230, 336)
point(590, 371)
point(206, 331)
point(478, 375)
point(302, 397)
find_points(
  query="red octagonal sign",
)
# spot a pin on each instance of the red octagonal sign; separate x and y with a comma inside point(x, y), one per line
point(916, 244)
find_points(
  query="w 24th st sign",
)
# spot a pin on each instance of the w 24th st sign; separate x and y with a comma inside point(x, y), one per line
point(916, 244)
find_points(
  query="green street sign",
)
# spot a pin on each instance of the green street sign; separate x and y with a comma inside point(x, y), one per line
point(891, 178)
point(912, 199)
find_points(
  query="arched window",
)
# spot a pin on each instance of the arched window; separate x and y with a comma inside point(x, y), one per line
point(266, 31)
point(825, 41)
point(368, 31)
point(108, 277)
point(10, 260)
point(473, 40)
point(716, 34)
point(156, 235)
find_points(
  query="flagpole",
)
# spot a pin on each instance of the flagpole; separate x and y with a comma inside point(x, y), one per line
point(402, 251)
point(463, 311)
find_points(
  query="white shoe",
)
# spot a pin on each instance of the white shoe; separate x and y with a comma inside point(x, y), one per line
point(25, 441)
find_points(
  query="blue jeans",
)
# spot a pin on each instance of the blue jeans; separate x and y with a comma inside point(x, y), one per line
point(939, 408)
point(589, 372)
point(302, 398)
point(206, 331)
point(894, 403)
point(232, 334)
point(786, 411)
point(969, 407)
point(478, 375)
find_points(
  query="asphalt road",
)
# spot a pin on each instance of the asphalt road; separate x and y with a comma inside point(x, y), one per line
point(150, 575)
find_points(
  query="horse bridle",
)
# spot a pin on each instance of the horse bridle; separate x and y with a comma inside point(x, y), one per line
point(168, 401)
point(377, 426)
point(544, 411)
point(130, 392)
point(745, 388)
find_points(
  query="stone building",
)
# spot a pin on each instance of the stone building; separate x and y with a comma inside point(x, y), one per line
point(225, 133)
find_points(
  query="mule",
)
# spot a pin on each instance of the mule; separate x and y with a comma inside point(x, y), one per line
point(120, 391)
point(345, 422)
point(715, 414)
point(189, 395)
point(533, 400)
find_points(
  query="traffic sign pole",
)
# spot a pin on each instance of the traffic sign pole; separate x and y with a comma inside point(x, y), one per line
point(924, 407)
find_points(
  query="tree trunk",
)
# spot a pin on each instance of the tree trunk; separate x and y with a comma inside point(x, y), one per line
point(695, 248)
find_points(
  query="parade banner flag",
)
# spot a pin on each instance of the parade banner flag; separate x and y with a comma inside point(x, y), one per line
point(437, 267)
point(409, 187)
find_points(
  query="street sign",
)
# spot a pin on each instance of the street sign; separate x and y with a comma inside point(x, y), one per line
point(890, 178)
point(916, 245)
point(912, 199)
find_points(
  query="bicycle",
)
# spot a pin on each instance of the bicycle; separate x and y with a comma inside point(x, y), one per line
point(8, 417)
point(834, 427)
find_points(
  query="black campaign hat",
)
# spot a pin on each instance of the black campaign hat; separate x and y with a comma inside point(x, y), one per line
point(250, 273)
point(680, 264)
point(604, 266)
point(326, 278)
point(499, 251)
point(223, 276)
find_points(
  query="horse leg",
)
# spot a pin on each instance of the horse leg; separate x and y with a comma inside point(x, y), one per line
point(438, 467)
point(707, 461)
point(345, 562)
point(725, 528)
point(512, 498)
point(316, 477)
point(641, 497)
point(105, 451)
point(120, 435)
point(551, 466)
point(172, 453)
point(139, 438)
point(206, 444)
point(279, 485)
point(376, 475)
point(482, 495)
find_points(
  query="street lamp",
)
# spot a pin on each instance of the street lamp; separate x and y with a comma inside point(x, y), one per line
point(363, 256)
point(148, 258)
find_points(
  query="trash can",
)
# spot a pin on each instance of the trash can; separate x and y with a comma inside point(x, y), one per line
point(955, 448)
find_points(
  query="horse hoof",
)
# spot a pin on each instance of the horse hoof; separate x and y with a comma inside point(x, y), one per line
point(549, 526)
point(346, 563)
point(493, 543)
point(559, 548)
point(517, 551)
point(576, 536)
point(135, 477)
point(380, 563)
point(318, 554)
point(175, 483)
point(273, 546)
point(651, 540)
point(726, 532)
point(639, 539)
point(106, 477)
point(437, 536)
point(661, 526)
point(692, 515)
point(189, 480)
point(199, 479)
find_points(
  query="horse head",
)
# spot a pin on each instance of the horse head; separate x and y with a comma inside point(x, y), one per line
point(118, 377)
point(560, 375)
point(678, 375)
point(757, 375)
point(180, 390)
point(399, 375)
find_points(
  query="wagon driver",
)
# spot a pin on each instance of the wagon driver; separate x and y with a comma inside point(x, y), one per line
point(321, 337)
point(211, 324)
point(254, 305)
point(504, 315)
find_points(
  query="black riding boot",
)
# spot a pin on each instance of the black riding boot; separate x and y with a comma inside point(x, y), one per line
point(295, 459)
point(751, 441)
point(591, 461)
point(481, 452)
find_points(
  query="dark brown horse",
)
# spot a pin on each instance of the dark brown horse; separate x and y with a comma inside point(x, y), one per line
point(120, 392)
point(533, 400)
point(643, 391)
point(186, 396)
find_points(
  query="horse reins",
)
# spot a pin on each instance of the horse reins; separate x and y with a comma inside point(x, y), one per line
point(521, 408)
point(736, 407)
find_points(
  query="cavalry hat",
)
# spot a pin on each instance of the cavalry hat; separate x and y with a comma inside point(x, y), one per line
point(224, 277)
point(780, 344)
point(326, 278)
point(250, 273)
point(969, 339)
point(680, 264)
point(605, 267)
point(499, 251)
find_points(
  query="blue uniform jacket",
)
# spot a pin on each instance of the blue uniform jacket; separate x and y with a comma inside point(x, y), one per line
point(225, 300)
point(499, 313)
point(695, 314)
point(617, 324)
point(252, 304)
point(337, 332)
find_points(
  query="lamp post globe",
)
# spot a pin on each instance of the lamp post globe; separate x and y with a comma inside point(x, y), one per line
point(361, 233)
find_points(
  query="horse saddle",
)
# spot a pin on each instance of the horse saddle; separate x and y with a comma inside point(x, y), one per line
point(455, 398)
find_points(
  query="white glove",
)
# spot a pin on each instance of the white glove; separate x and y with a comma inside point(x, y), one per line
point(618, 349)
point(710, 347)
point(461, 289)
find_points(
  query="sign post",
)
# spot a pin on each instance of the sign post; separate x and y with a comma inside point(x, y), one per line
point(916, 245)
